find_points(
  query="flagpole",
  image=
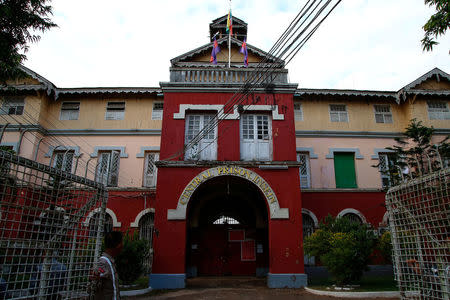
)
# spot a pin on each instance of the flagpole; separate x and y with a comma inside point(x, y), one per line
point(229, 40)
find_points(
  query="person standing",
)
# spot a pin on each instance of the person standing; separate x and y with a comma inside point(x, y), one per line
point(105, 275)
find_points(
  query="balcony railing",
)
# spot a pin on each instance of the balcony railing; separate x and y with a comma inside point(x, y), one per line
point(215, 76)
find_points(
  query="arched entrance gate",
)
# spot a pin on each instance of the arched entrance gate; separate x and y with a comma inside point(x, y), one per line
point(227, 222)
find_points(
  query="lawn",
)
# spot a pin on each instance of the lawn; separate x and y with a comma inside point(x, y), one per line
point(367, 284)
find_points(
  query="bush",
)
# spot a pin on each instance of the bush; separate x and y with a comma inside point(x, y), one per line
point(343, 246)
point(385, 246)
point(129, 261)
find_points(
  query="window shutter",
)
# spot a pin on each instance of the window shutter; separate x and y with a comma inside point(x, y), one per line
point(102, 168)
point(113, 176)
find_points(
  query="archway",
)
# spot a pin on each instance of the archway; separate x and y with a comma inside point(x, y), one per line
point(227, 229)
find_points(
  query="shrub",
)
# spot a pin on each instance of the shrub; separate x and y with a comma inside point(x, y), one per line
point(385, 246)
point(343, 246)
point(129, 261)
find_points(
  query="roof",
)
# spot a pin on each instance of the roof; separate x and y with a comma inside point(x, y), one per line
point(435, 72)
point(334, 92)
point(224, 40)
point(112, 90)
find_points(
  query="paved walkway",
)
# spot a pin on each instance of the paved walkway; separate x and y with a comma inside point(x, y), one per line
point(236, 288)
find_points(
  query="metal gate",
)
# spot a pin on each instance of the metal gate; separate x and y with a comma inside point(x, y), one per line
point(419, 219)
point(46, 251)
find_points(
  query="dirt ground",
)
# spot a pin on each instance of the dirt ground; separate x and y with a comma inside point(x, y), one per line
point(243, 288)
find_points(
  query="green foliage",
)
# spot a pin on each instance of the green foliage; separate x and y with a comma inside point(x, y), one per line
point(437, 24)
point(19, 22)
point(384, 245)
point(343, 246)
point(414, 152)
point(129, 261)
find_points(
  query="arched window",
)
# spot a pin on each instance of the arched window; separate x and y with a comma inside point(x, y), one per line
point(93, 224)
point(353, 217)
point(146, 227)
point(225, 220)
point(308, 225)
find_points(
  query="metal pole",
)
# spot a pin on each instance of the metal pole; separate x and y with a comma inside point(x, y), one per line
point(37, 148)
point(76, 164)
point(20, 140)
point(51, 158)
point(3, 131)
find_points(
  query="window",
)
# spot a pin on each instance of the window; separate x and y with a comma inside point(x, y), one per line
point(201, 136)
point(353, 217)
point(338, 113)
point(344, 169)
point(93, 224)
point(383, 114)
point(308, 230)
point(150, 170)
point(298, 112)
point(108, 168)
point(384, 166)
point(146, 224)
point(69, 111)
point(305, 178)
point(438, 110)
point(256, 137)
point(223, 220)
point(157, 112)
point(63, 160)
point(115, 111)
point(12, 106)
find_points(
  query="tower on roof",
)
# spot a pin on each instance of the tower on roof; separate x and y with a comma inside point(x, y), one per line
point(219, 25)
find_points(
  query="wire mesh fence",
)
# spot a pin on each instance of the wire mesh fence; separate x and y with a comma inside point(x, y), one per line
point(419, 219)
point(46, 249)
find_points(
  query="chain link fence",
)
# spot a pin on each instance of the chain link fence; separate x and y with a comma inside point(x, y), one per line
point(46, 249)
point(419, 219)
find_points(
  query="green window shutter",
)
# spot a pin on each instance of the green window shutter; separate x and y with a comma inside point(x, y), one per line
point(344, 169)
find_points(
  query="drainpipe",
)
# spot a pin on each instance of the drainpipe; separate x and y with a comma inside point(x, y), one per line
point(20, 140)
point(3, 131)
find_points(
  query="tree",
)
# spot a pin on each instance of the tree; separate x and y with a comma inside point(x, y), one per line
point(343, 246)
point(415, 154)
point(20, 21)
point(437, 24)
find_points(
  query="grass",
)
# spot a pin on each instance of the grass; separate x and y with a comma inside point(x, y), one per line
point(367, 284)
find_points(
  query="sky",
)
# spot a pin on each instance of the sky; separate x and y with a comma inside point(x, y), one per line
point(363, 44)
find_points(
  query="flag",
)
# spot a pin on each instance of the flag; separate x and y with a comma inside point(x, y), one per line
point(230, 23)
point(214, 52)
point(245, 52)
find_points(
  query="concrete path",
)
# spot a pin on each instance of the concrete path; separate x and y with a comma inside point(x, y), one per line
point(236, 288)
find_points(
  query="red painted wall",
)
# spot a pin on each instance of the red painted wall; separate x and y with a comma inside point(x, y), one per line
point(370, 204)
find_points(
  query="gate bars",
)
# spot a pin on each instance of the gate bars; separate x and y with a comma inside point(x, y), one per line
point(50, 230)
point(419, 219)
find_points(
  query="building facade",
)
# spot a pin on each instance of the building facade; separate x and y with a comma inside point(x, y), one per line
point(224, 168)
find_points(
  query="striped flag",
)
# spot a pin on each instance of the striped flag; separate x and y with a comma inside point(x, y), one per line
point(245, 52)
point(230, 23)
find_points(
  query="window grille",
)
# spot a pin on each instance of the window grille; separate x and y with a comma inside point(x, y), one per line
point(384, 166)
point(338, 113)
point(146, 226)
point(298, 112)
point(438, 110)
point(63, 160)
point(305, 177)
point(157, 112)
point(12, 106)
point(308, 225)
point(70, 111)
point(353, 217)
point(94, 221)
point(108, 168)
point(202, 147)
point(150, 169)
point(383, 114)
point(225, 220)
point(115, 111)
